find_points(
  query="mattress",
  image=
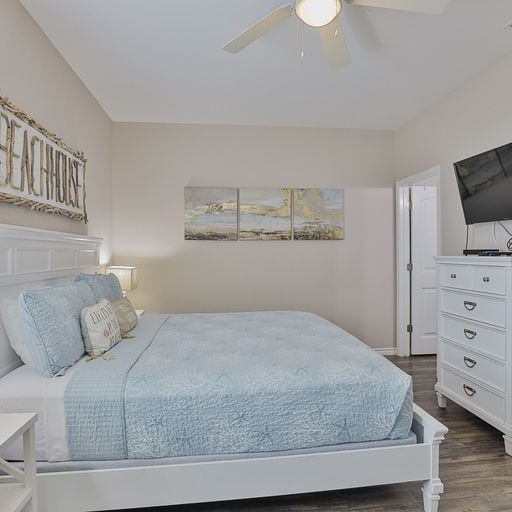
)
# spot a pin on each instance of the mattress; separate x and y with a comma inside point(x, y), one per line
point(25, 390)
point(204, 387)
point(52, 467)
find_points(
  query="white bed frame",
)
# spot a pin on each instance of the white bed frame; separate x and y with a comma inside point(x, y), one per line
point(32, 258)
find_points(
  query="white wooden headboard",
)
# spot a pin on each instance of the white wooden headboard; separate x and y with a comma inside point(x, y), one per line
point(35, 258)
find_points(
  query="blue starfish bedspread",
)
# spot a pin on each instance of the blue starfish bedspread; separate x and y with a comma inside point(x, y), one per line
point(206, 384)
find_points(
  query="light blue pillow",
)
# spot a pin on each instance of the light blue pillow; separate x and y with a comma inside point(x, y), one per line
point(103, 287)
point(51, 326)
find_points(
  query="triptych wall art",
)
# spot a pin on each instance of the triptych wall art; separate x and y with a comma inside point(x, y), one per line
point(211, 213)
point(221, 213)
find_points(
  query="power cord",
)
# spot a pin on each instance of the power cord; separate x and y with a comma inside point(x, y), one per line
point(509, 243)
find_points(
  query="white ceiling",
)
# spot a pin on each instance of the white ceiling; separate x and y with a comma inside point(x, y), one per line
point(162, 60)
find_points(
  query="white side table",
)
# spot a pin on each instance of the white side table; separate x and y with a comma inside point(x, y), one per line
point(21, 495)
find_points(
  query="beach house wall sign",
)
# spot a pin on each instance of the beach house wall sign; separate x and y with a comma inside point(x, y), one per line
point(37, 169)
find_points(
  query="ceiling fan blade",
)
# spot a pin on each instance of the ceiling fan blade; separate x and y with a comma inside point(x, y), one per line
point(420, 6)
point(335, 47)
point(362, 28)
point(259, 28)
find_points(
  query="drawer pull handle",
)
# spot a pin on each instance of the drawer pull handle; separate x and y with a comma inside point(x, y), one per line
point(470, 335)
point(470, 363)
point(469, 305)
point(453, 276)
point(469, 391)
point(486, 279)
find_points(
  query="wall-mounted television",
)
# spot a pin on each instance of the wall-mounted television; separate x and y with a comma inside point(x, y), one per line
point(485, 185)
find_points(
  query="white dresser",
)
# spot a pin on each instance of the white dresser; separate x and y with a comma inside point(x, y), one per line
point(475, 337)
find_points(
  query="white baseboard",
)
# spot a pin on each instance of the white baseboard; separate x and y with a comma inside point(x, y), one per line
point(386, 351)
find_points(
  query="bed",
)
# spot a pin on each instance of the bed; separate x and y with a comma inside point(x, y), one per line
point(248, 404)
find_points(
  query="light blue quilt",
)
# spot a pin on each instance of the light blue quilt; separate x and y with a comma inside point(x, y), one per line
point(234, 383)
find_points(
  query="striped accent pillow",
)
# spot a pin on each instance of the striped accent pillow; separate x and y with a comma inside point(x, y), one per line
point(126, 315)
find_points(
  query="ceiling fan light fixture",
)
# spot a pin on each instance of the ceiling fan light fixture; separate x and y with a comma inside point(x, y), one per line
point(317, 13)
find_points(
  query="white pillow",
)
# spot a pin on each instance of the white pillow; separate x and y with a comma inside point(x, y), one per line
point(100, 328)
point(11, 319)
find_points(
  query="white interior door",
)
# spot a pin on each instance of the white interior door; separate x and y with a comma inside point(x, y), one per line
point(424, 247)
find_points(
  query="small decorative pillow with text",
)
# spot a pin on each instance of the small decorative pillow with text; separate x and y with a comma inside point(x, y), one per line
point(103, 286)
point(100, 328)
point(125, 314)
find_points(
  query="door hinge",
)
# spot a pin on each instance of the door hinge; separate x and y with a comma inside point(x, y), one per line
point(409, 328)
point(409, 267)
point(409, 205)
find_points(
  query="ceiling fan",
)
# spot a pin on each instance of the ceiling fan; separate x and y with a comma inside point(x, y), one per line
point(324, 15)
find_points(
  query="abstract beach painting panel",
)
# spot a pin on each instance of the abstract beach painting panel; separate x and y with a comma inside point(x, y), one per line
point(318, 214)
point(265, 214)
point(211, 213)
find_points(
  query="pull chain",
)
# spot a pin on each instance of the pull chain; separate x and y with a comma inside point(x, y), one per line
point(337, 31)
point(302, 40)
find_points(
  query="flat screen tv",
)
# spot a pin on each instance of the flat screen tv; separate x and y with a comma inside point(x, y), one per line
point(485, 185)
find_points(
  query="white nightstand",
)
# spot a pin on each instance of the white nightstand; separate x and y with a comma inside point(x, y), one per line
point(140, 312)
point(14, 497)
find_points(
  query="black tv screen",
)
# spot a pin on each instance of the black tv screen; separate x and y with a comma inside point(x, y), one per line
point(485, 185)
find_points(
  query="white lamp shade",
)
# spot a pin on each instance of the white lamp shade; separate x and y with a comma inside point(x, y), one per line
point(317, 13)
point(127, 277)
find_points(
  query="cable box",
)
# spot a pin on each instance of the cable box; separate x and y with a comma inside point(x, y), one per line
point(485, 252)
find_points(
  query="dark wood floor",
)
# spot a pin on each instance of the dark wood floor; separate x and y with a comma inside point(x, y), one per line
point(474, 468)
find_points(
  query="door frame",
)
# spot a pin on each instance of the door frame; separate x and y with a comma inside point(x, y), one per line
point(403, 240)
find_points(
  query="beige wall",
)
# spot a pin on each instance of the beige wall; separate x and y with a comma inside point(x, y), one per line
point(350, 282)
point(37, 79)
point(474, 118)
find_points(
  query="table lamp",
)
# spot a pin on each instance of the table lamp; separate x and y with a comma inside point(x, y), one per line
point(127, 277)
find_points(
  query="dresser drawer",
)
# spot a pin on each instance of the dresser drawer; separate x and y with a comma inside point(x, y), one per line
point(456, 276)
point(474, 336)
point(489, 279)
point(474, 394)
point(475, 307)
point(476, 366)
